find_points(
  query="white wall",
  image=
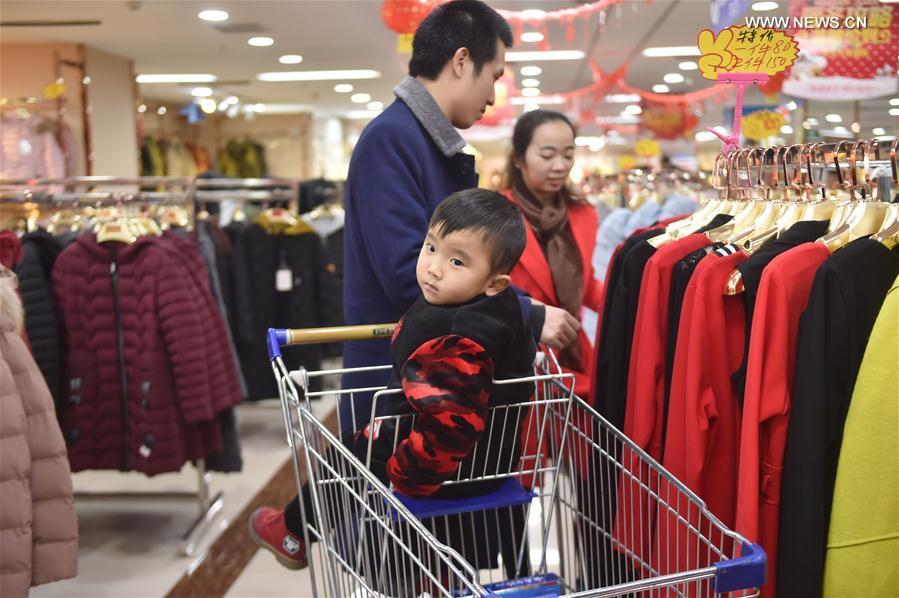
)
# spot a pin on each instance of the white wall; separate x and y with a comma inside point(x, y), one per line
point(112, 114)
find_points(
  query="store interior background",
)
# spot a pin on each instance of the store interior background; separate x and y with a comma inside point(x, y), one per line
point(309, 130)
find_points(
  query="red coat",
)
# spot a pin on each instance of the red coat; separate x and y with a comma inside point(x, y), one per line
point(532, 274)
point(782, 297)
point(140, 322)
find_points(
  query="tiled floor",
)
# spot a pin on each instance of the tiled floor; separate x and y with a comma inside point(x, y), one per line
point(129, 546)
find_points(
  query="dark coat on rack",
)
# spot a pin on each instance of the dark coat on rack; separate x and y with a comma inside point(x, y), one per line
point(261, 251)
point(164, 413)
point(39, 252)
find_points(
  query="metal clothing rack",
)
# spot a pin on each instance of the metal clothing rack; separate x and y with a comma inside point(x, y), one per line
point(85, 190)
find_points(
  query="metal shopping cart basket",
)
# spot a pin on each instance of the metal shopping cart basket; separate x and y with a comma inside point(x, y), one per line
point(552, 501)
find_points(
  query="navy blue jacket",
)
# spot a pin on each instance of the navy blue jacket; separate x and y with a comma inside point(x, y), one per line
point(397, 176)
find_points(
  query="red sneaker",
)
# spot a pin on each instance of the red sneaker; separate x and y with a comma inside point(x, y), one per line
point(268, 531)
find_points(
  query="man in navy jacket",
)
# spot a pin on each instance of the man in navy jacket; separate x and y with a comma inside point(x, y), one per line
point(406, 162)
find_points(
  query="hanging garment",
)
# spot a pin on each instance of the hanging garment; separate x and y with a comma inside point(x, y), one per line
point(152, 158)
point(677, 205)
point(644, 216)
point(179, 159)
point(39, 252)
point(703, 435)
point(609, 236)
point(136, 389)
point(28, 149)
point(782, 297)
point(846, 296)
point(329, 226)
point(751, 274)
point(38, 525)
point(645, 396)
point(317, 192)
point(863, 539)
point(263, 250)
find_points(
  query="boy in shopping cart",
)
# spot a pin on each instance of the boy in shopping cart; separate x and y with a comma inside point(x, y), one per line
point(465, 331)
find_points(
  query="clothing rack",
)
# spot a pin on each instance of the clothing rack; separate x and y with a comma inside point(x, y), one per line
point(209, 505)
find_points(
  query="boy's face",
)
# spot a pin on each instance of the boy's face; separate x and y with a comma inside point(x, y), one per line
point(455, 268)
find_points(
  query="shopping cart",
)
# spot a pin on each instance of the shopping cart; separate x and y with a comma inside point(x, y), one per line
point(565, 503)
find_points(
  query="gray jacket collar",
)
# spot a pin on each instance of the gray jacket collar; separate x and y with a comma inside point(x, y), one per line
point(428, 112)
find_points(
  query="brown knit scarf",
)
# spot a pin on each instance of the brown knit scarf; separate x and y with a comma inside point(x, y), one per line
point(549, 221)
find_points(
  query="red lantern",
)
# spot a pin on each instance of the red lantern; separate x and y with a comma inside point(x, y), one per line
point(404, 16)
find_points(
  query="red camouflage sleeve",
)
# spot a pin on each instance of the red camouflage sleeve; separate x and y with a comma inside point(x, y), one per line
point(447, 382)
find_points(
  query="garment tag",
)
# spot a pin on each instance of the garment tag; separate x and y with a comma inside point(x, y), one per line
point(283, 280)
point(144, 451)
point(24, 147)
point(589, 322)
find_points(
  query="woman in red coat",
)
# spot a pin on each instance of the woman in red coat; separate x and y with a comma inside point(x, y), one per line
point(556, 267)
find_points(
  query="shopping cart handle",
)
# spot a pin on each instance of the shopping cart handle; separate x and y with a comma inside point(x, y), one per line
point(742, 573)
point(281, 337)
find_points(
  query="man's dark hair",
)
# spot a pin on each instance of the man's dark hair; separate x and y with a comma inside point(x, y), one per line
point(458, 24)
point(490, 214)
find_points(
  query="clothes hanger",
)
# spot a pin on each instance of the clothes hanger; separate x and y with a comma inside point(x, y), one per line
point(751, 203)
point(763, 227)
point(889, 230)
point(866, 214)
point(113, 226)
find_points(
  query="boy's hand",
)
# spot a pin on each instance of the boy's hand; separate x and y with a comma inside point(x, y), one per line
point(560, 328)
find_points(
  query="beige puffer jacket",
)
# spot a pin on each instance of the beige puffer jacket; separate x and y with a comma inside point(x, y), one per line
point(38, 526)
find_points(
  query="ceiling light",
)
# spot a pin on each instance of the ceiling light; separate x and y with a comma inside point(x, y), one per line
point(585, 140)
point(671, 51)
point(362, 114)
point(201, 92)
point(285, 108)
point(894, 102)
point(806, 125)
point(260, 42)
point(704, 136)
point(291, 59)
point(142, 108)
point(531, 106)
point(177, 78)
point(161, 110)
point(634, 109)
point(841, 129)
point(360, 98)
point(530, 83)
point(208, 105)
point(531, 71)
point(530, 37)
point(520, 101)
point(233, 100)
point(343, 88)
point(530, 92)
point(622, 98)
point(258, 107)
point(319, 75)
point(688, 65)
point(791, 105)
point(213, 16)
point(532, 14)
point(764, 6)
point(833, 118)
point(513, 56)
point(223, 105)
point(673, 78)
point(624, 119)
point(855, 127)
point(812, 121)
point(661, 88)
point(894, 111)
point(786, 130)
point(878, 131)
point(375, 105)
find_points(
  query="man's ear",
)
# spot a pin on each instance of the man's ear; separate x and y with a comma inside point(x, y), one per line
point(461, 58)
point(497, 284)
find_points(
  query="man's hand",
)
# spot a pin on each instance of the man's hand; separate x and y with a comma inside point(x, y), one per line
point(560, 328)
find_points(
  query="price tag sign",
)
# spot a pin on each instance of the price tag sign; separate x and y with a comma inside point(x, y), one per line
point(762, 124)
point(647, 148)
point(745, 50)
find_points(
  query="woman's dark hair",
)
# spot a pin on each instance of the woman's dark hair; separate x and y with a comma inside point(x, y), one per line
point(458, 24)
point(522, 137)
point(490, 214)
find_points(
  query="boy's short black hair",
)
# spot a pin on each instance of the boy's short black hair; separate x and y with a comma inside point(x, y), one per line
point(458, 24)
point(490, 214)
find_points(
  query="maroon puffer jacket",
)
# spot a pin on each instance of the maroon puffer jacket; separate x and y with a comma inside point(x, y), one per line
point(134, 352)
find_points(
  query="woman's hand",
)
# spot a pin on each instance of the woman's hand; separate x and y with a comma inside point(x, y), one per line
point(560, 328)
